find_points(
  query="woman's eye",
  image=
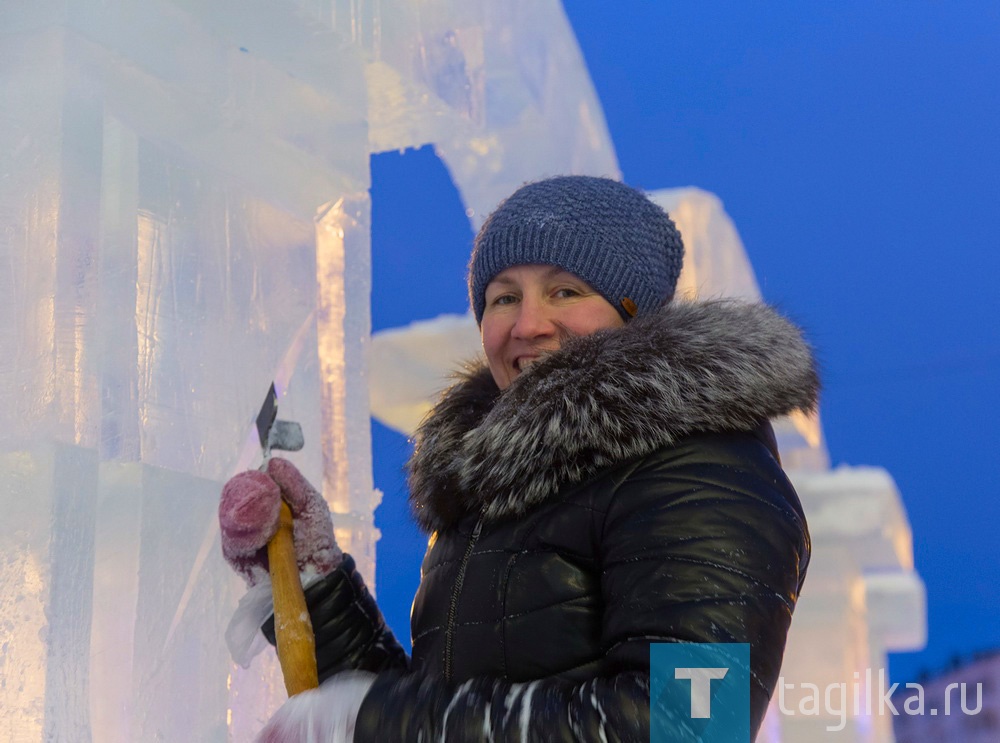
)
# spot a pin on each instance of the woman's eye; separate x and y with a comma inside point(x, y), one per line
point(567, 292)
point(503, 299)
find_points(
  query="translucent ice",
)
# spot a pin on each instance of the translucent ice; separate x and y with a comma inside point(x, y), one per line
point(184, 217)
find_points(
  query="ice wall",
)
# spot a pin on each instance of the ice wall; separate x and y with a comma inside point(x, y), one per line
point(863, 596)
point(184, 216)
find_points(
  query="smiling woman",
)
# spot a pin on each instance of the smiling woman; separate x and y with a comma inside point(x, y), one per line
point(531, 310)
point(608, 480)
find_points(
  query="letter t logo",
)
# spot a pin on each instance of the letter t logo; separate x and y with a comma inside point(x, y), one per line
point(701, 688)
point(719, 710)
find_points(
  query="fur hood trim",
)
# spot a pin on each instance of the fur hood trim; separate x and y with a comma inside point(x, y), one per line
point(604, 399)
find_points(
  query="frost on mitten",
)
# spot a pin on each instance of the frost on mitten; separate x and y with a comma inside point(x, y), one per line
point(315, 547)
point(248, 518)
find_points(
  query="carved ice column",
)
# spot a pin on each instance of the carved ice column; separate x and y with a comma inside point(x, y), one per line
point(862, 599)
point(161, 167)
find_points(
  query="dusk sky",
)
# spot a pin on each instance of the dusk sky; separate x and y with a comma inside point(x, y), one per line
point(856, 146)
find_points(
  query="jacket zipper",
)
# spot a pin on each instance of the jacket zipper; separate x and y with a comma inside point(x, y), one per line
point(449, 634)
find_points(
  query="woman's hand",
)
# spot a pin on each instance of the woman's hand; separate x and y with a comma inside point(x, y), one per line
point(324, 715)
point(248, 518)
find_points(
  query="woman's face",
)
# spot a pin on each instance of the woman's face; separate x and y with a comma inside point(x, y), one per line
point(530, 310)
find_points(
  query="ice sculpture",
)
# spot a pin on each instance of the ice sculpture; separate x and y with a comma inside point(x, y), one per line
point(862, 598)
point(184, 216)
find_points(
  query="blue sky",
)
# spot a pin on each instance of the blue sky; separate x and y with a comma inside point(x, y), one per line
point(856, 146)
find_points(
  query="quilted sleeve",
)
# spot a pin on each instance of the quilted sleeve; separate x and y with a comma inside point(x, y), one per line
point(350, 630)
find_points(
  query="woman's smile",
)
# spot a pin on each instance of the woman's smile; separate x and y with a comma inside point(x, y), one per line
point(530, 310)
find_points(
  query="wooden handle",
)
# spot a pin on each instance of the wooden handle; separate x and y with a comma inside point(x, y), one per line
point(292, 626)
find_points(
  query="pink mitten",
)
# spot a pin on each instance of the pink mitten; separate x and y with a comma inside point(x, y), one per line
point(248, 518)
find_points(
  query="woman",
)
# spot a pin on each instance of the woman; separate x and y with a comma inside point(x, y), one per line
point(606, 480)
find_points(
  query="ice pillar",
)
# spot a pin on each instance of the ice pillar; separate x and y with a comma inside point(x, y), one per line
point(162, 167)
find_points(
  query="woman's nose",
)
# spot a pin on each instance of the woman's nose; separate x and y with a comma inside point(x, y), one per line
point(534, 320)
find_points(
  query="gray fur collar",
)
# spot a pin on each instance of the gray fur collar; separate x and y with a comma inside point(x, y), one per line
point(604, 399)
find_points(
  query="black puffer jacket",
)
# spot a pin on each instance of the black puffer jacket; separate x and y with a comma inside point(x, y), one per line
point(622, 491)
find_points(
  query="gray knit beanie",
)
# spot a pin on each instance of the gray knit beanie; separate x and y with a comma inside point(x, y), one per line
point(609, 234)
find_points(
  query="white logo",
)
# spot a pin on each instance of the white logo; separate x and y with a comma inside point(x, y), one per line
point(701, 688)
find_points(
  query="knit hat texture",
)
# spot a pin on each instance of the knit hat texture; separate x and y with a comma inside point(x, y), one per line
point(609, 234)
